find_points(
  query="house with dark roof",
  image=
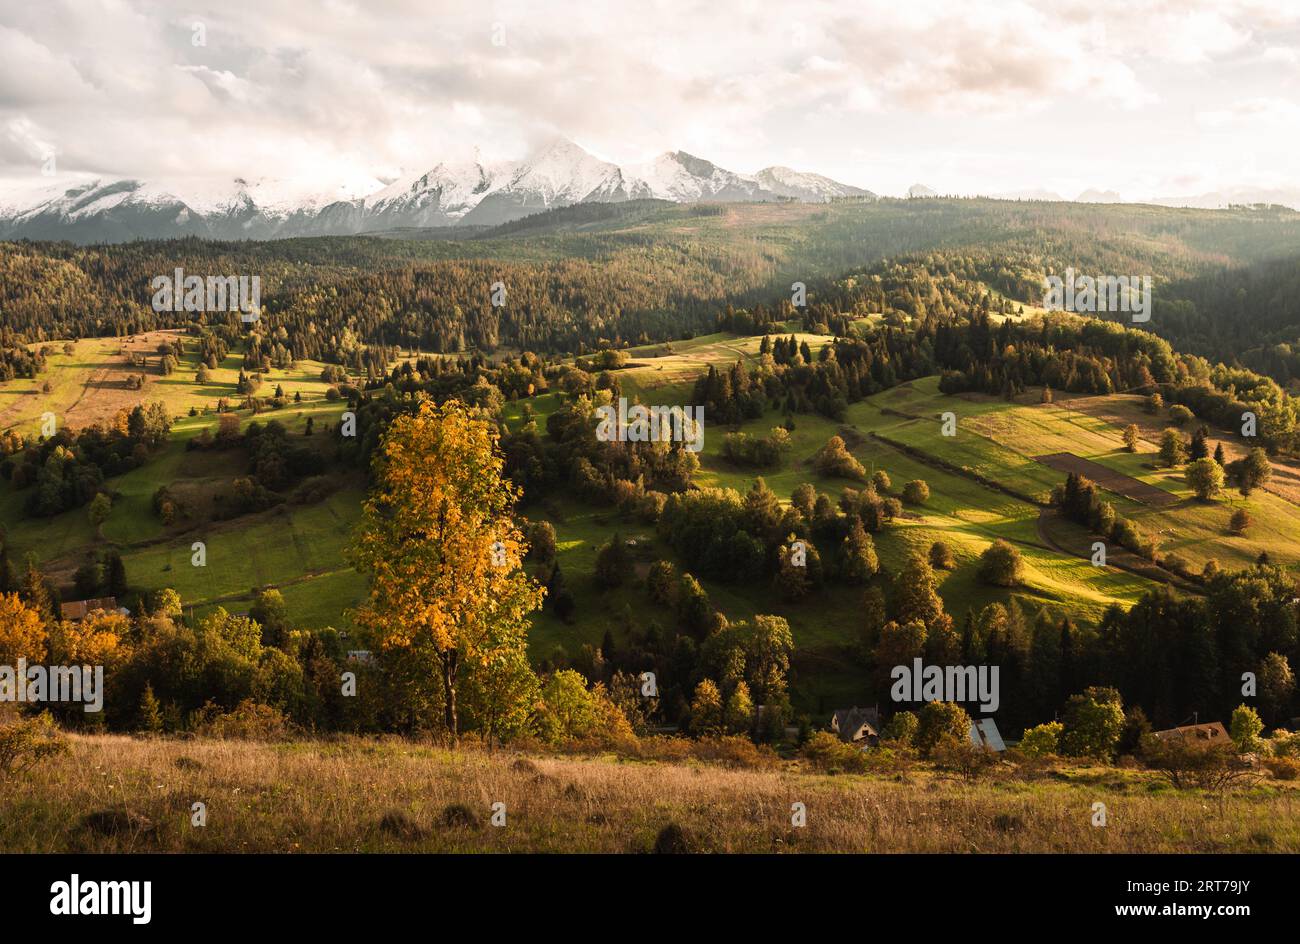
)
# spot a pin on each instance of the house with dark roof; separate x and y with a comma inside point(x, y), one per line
point(857, 725)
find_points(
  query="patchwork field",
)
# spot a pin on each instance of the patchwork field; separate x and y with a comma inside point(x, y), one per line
point(89, 385)
point(988, 481)
point(1109, 479)
point(295, 547)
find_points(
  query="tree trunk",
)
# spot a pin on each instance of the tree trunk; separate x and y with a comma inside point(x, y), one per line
point(449, 695)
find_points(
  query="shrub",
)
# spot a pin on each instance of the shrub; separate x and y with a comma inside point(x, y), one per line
point(962, 756)
point(828, 753)
point(1042, 740)
point(1283, 768)
point(916, 492)
point(26, 742)
point(1187, 763)
point(248, 721)
point(674, 840)
point(734, 751)
point(941, 557)
point(1240, 521)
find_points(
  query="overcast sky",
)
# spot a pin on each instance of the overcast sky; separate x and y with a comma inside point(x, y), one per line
point(1143, 97)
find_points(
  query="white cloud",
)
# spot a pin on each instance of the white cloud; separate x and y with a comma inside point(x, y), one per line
point(990, 94)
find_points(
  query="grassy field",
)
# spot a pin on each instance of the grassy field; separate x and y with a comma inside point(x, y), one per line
point(116, 794)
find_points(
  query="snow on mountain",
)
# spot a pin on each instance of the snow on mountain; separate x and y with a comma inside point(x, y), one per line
point(558, 173)
point(684, 178)
point(919, 191)
point(438, 197)
point(785, 182)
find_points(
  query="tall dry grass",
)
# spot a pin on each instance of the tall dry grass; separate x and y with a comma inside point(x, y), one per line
point(114, 793)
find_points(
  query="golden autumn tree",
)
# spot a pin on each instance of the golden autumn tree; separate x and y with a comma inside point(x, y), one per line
point(438, 541)
point(22, 632)
point(99, 639)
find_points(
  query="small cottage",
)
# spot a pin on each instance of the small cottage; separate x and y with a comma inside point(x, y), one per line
point(857, 725)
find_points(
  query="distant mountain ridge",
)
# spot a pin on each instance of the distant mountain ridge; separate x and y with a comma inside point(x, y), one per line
point(557, 174)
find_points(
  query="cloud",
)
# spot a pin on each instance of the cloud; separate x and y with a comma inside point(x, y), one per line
point(121, 87)
point(1259, 114)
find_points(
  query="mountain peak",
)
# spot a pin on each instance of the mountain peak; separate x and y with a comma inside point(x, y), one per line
point(557, 172)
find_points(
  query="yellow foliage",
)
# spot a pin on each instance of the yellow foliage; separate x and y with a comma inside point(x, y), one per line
point(96, 640)
point(439, 543)
point(22, 634)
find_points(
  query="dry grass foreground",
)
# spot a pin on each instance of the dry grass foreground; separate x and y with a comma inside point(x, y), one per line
point(117, 793)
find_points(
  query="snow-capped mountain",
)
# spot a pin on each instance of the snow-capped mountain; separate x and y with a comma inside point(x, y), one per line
point(559, 173)
point(796, 185)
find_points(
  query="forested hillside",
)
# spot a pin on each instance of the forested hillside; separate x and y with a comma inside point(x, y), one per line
point(883, 393)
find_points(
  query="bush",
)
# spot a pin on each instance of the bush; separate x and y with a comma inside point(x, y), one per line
point(26, 742)
point(962, 757)
point(1042, 740)
point(248, 721)
point(1240, 521)
point(1187, 763)
point(734, 751)
point(828, 753)
point(1283, 768)
point(941, 557)
point(916, 492)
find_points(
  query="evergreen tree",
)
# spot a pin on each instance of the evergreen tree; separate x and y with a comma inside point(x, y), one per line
point(150, 712)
